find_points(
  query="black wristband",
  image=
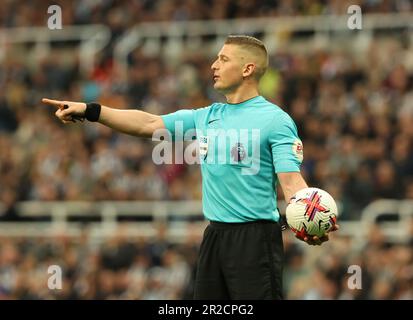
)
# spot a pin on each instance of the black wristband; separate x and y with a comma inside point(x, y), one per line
point(92, 111)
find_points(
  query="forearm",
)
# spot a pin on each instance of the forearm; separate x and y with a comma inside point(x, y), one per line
point(291, 183)
point(133, 122)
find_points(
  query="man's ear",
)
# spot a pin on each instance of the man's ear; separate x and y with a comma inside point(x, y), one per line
point(249, 68)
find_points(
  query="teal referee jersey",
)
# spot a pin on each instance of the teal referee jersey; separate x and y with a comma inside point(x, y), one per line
point(242, 147)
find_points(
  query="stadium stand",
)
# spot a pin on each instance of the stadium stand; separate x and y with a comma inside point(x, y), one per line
point(351, 95)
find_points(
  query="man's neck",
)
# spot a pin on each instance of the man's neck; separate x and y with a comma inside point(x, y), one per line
point(241, 95)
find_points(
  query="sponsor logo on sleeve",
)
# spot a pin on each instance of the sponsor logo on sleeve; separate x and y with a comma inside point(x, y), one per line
point(298, 150)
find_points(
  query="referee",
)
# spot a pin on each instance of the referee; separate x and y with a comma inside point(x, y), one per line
point(241, 255)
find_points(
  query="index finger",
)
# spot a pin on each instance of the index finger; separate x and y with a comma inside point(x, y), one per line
point(55, 103)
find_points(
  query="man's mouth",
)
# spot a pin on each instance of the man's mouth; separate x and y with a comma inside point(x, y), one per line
point(216, 78)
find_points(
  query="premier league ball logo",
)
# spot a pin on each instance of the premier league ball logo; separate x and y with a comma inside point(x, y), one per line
point(238, 152)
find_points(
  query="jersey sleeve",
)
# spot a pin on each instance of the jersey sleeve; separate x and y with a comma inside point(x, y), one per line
point(286, 146)
point(179, 123)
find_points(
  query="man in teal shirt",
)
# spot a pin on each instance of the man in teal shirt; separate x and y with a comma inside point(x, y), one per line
point(246, 147)
point(269, 141)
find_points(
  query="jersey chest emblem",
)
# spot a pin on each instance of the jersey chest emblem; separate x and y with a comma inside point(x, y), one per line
point(238, 152)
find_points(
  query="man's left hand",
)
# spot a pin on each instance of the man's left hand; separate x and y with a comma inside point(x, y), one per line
point(316, 241)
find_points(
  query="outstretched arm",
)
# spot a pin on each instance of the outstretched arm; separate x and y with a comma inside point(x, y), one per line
point(133, 122)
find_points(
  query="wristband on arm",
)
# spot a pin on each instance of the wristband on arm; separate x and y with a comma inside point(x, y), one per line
point(92, 111)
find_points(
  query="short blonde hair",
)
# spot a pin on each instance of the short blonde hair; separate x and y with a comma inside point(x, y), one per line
point(255, 47)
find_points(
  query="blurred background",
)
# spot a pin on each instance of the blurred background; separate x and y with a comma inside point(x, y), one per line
point(92, 201)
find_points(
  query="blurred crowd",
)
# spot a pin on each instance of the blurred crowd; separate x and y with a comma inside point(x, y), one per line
point(123, 267)
point(353, 113)
point(123, 14)
point(347, 269)
point(82, 267)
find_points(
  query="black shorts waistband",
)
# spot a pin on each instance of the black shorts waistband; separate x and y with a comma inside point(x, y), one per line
point(223, 225)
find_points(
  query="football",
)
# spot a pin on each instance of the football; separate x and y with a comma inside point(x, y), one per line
point(311, 212)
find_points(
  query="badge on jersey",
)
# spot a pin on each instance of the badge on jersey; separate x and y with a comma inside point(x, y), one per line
point(298, 150)
point(203, 146)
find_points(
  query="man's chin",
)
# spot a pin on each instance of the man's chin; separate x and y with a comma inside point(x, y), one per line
point(219, 87)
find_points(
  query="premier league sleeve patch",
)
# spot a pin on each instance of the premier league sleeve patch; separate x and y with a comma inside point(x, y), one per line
point(298, 150)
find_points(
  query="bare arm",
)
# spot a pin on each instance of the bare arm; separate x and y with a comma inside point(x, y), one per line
point(133, 122)
point(291, 182)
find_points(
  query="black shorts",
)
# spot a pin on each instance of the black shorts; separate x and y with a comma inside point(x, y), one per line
point(240, 261)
